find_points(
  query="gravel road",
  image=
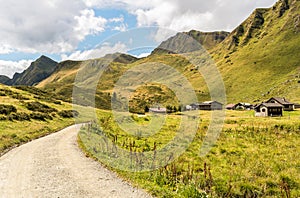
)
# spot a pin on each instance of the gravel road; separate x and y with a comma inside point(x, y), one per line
point(54, 167)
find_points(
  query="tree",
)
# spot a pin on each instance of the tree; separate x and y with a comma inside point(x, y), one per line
point(174, 109)
point(179, 108)
point(146, 109)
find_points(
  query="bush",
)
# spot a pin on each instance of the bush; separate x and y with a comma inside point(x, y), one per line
point(39, 107)
point(7, 92)
point(19, 117)
point(68, 113)
point(57, 102)
point(43, 95)
point(40, 116)
point(19, 97)
point(3, 118)
point(7, 109)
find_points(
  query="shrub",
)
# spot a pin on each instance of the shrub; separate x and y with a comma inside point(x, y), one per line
point(57, 102)
point(43, 95)
point(39, 107)
point(40, 116)
point(7, 92)
point(19, 117)
point(68, 113)
point(19, 97)
point(3, 118)
point(7, 109)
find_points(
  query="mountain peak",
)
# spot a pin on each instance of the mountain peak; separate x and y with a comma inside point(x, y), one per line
point(38, 70)
point(43, 57)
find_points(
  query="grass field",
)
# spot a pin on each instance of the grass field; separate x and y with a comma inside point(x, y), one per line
point(253, 157)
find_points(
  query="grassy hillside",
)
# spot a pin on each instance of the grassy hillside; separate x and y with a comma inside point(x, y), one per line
point(27, 113)
point(63, 79)
point(260, 58)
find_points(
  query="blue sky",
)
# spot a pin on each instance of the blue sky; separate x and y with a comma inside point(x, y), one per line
point(84, 29)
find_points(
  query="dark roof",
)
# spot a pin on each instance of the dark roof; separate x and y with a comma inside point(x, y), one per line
point(206, 103)
point(271, 105)
point(282, 101)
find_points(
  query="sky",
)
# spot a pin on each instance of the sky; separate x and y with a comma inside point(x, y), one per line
point(84, 29)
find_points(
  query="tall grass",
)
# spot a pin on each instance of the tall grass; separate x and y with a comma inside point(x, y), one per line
point(253, 157)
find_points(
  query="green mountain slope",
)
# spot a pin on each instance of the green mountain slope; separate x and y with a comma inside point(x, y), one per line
point(260, 58)
point(62, 81)
point(36, 72)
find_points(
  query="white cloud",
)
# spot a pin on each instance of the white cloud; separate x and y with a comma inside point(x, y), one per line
point(101, 51)
point(118, 24)
point(54, 26)
point(162, 34)
point(50, 26)
point(143, 55)
point(5, 49)
point(9, 68)
point(117, 19)
point(122, 27)
point(186, 15)
point(89, 24)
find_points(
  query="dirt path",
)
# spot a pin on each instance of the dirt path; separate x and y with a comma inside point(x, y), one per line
point(54, 166)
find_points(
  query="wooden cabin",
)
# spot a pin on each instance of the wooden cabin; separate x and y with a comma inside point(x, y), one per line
point(268, 109)
point(211, 106)
point(287, 105)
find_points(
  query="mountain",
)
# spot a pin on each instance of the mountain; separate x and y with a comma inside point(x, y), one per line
point(260, 58)
point(4, 79)
point(121, 58)
point(257, 60)
point(189, 42)
point(62, 80)
point(39, 70)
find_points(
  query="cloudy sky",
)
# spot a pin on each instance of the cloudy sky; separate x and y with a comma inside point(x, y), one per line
point(82, 29)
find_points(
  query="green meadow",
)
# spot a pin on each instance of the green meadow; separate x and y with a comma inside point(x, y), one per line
point(253, 157)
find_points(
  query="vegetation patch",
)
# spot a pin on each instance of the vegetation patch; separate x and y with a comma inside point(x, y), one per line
point(43, 95)
point(40, 107)
point(68, 113)
point(19, 117)
point(7, 109)
point(41, 116)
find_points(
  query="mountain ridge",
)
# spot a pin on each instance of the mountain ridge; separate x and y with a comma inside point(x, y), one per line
point(38, 70)
point(185, 42)
point(261, 49)
point(266, 51)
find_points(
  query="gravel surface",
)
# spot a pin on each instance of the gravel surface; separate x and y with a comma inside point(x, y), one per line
point(54, 166)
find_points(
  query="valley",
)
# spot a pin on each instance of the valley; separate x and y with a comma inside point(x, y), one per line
point(175, 150)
